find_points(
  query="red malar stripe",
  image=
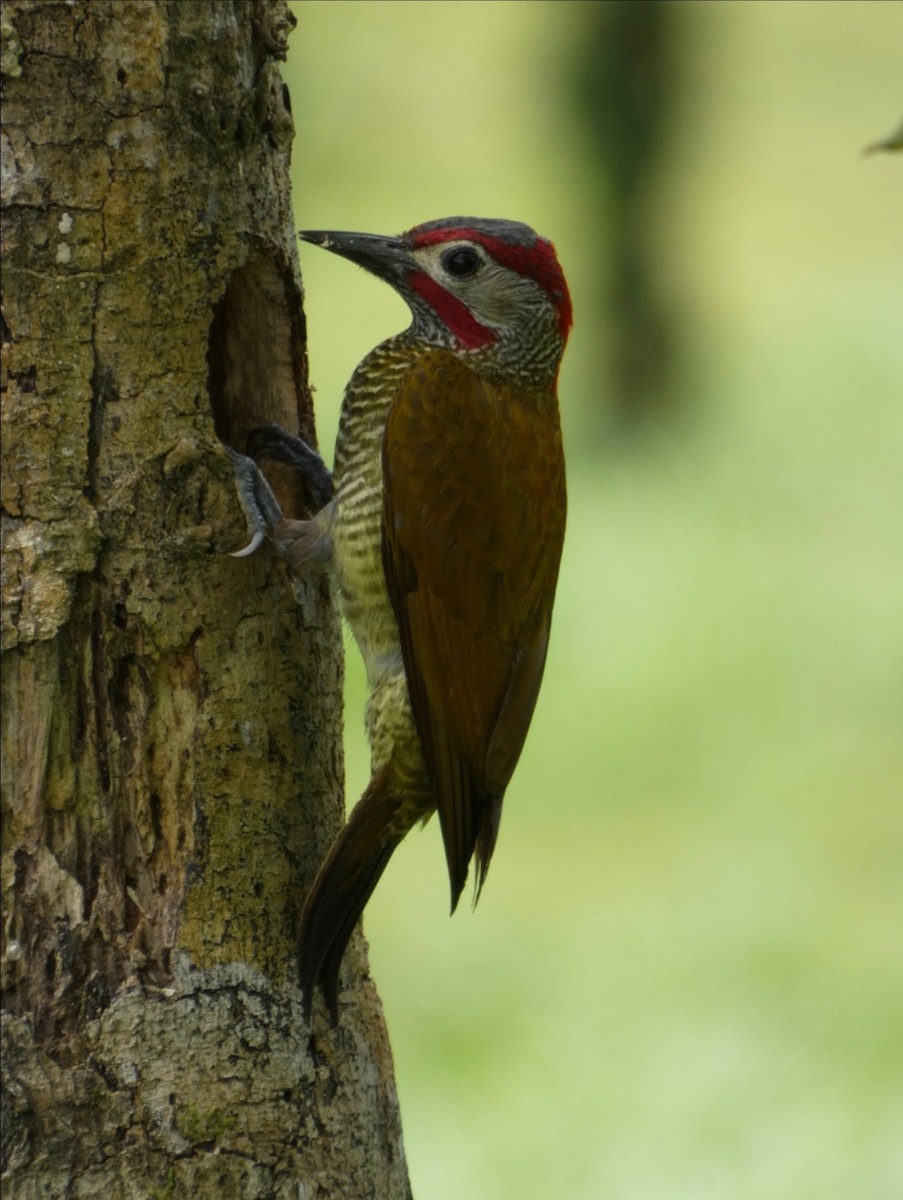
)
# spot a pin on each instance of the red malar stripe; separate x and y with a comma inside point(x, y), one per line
point(456, 316)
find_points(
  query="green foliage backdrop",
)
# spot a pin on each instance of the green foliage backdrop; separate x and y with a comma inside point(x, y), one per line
point(684, 978)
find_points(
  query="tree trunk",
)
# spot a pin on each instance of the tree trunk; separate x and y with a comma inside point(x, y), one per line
point(627, 74)
point(171, 716)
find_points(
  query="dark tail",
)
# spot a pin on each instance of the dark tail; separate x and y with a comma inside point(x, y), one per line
point(344, 884)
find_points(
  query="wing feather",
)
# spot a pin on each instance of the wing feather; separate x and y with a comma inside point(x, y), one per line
point(473, 524)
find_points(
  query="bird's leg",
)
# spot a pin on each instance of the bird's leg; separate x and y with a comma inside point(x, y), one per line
point(306, 545)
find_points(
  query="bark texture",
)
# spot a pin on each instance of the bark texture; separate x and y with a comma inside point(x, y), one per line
point(171, 716)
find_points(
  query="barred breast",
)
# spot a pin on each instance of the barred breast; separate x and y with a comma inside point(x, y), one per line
point(357, 529)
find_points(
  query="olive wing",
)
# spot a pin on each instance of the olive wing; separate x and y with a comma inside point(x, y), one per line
point(473, 524)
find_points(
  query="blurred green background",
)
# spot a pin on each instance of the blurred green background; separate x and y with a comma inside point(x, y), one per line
point(685, 977)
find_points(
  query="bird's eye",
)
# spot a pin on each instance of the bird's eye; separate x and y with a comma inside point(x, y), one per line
point(462, 263)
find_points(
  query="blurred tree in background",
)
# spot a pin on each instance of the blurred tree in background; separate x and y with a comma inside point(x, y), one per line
point(627, 74)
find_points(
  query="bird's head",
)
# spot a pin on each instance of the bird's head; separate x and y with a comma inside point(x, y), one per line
point(490, 288)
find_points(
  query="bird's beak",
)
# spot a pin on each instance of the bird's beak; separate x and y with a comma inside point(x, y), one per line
point(387, 257)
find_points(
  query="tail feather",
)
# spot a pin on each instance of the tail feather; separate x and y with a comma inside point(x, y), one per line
point(343, 886)
point(490, 819)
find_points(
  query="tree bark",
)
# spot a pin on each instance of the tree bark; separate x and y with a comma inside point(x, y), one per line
point(171, 716)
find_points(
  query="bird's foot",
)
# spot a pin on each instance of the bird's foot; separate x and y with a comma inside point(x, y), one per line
point(271, 441)
point(306, 545)
point(260, 506)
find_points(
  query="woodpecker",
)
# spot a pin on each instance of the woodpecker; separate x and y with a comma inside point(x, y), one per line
point(442, 526)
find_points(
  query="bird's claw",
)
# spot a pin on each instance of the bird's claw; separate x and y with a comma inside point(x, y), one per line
point(260, 506)
point(254, 544)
